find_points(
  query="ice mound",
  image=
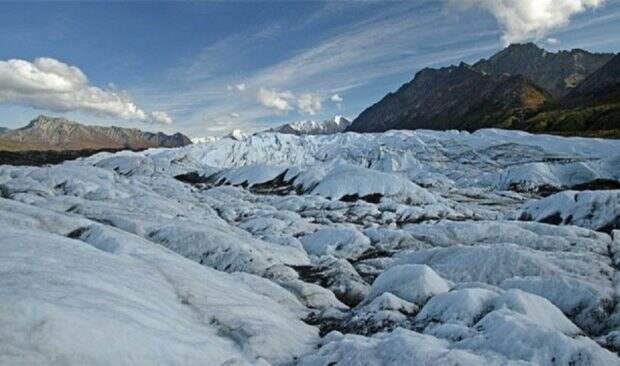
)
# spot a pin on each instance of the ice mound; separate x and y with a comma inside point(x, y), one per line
point(597, 210)
point(347, 181)
point(413, 283)
point(464, 306)
point(341, 242)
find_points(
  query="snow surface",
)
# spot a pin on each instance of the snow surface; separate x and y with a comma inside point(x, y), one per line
point(406, 247)
point(114, 298)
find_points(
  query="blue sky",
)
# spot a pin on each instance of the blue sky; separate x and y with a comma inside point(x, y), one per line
point(204, 68)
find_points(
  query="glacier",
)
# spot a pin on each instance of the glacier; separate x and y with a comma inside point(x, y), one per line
point(405, 247)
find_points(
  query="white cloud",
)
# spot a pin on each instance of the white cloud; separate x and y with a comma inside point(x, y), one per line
point(523, 20)
point(306, 103)
point(234, 115)
point(336, 98)
point(274, 99)
point(160, 117)
point(236, 87)
point(552, 41)
point(47, 83)
point(309, 104)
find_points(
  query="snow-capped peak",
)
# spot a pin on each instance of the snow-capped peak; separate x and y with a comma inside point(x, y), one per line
point(334, 125)
point(340, 119)
point(237, 134)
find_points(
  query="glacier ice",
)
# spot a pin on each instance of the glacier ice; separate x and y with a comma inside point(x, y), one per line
point(405, 247)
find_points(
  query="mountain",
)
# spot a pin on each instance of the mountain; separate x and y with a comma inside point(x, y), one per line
point(590, 109)
point(602, 86)
point(47, 133)
point(453, 97)
point(521, 87)
point(333, 125)
point(558, 73)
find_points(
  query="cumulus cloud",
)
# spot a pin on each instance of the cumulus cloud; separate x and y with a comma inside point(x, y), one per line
point(234, 115)
point(282, 101)
point(336, 98)
point(523, 20)
point(47, 83)
point(552, 41)
point(161, 117)
point(309, 104)
point(275, 100)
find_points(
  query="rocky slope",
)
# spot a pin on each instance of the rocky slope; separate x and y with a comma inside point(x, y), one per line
point(558, 73)
point(455, 97)
point(601, 87)
point(47, 133)
point(521, 88)
point(590, 109)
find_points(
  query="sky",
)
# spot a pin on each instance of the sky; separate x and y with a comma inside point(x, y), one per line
point(206, 68)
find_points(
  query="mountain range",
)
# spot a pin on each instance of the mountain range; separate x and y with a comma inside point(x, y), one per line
point(521, 87)
point(329, 126)
point(48, 133)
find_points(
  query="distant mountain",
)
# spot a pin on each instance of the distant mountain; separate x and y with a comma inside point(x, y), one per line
point(455, 97)
point(558, 73)
point(522, 87)
point(47, 133)
point(333, 125)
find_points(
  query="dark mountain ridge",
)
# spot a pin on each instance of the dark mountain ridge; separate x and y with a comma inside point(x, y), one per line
point(507, 91)
point(602, 86)
point(557, 72)
point(452, 97)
